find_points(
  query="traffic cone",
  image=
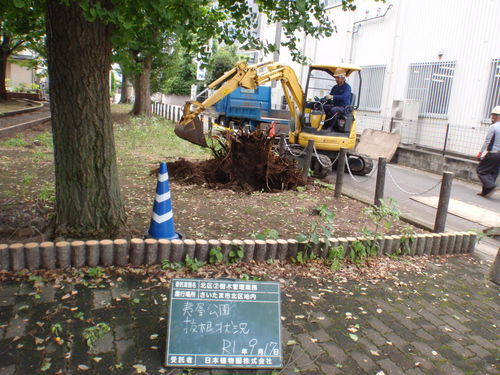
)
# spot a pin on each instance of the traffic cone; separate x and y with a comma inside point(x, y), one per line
point(162, 222)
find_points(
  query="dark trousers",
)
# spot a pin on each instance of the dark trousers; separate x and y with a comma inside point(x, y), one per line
point(331, 109)
point(488, 168)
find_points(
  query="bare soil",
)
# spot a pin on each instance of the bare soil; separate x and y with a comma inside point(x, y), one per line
point(203, 208)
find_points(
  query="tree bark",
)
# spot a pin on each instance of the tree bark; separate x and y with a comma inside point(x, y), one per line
point(125, 96)
point(142, 88)
point(88, 199)
point(4, 55)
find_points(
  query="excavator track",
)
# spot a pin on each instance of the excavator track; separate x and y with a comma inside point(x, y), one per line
point(360, 165)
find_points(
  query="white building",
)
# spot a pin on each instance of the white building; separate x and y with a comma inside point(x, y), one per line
point(430, 67)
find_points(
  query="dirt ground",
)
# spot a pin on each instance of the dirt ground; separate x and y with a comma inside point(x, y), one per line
point(200, 211)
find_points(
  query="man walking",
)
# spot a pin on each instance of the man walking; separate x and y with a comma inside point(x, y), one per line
point(489, 156)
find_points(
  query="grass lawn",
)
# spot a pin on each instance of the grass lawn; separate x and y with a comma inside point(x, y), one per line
point(27, 190)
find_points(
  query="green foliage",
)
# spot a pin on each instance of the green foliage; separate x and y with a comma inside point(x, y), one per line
point(25, 87)
point(44, 139)
point(325, 185)
point(28, 179)
point(215, 256)
point(358, 253)
point(114, 84)
point(148, 135)
point(266, 234)
point(92, 334)
point(56, 329)
point(383, 215)
point(193, 264)
point(79, 315)
point(408, 236)
point(95, 272)
point(222, 60)
point(22, 26)
point(236, 255)
point(247, 277)
point(17, 141)
point(167, 265)
point(322, 229)
point(47, 193)
point(335, 257)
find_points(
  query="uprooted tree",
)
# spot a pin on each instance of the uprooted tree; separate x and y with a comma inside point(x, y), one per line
point(242, 162)
point(79, 35)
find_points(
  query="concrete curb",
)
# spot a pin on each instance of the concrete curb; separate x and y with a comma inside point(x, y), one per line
point(25, 125)
point(37, 106)
point(138, 252)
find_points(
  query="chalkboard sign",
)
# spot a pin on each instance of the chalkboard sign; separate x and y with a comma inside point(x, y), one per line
point(222, 323)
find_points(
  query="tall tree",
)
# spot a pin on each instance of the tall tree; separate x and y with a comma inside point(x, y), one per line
point(88, 201)
point(20, 24)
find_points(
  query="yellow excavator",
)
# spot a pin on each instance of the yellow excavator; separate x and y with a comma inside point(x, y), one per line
point(308, 118)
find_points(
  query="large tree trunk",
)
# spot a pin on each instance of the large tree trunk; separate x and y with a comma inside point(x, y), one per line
point(88, 200)
point(3, 72)
point(125, 96)
point(142, 88)
point(4, 55)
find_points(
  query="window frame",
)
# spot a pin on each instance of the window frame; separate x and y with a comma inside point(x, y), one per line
point(431, 95)
point(492, 90)
point(371, 81)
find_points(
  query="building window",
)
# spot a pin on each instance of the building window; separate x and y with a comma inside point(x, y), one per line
point(493, 95)
point(430, 84)
point(331, 3)
point(372, 85)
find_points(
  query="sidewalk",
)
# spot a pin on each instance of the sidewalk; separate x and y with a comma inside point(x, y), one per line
point(442, 320)
point(416, 181)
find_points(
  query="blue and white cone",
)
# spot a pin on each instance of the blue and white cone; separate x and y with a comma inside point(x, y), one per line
point(162, 222)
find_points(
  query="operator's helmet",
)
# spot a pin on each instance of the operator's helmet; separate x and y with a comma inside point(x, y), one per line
point(496, 110)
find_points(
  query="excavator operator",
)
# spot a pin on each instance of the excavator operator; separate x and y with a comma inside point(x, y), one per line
point(340, 97)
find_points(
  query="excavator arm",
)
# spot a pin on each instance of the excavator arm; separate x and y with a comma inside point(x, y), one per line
point(190, 127)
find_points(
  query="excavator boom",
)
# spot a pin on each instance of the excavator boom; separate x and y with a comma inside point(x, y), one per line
point(190, 127)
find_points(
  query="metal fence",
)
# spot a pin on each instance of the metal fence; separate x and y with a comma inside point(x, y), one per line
point(434, 134)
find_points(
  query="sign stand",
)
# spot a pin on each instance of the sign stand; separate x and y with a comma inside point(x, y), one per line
point(224, 324)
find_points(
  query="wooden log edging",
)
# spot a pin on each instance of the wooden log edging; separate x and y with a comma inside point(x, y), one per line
point(138, 252)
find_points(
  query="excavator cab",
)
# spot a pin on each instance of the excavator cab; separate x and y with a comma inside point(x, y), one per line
point(318, 122)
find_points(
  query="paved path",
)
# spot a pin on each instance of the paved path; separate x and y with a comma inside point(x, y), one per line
point(21, 118)
point(443, 320)
point(416, 181)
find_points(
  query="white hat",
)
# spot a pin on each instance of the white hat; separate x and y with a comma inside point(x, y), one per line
point(496, 110)
point(340, 73)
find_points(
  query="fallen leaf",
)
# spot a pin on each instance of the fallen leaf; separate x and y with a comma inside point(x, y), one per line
point(434, 352)
point(375, 353)
point(379, 311)
point(353, 336)
point(299, 316)
point(154, 337)
point(83, 367)
point(97, 359)
point(291, 342)
point(140, 369)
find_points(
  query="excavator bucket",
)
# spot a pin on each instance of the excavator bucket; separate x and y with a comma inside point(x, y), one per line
point(191, 131)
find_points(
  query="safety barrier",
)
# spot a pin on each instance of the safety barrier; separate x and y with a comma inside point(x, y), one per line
point(137, 252)
point(174, 113)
